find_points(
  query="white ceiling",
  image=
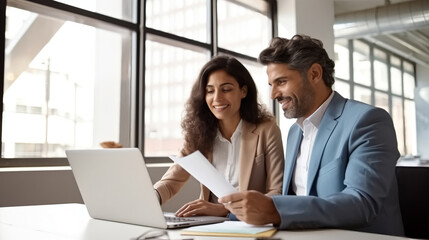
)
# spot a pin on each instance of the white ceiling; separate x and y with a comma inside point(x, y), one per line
point(413, 44)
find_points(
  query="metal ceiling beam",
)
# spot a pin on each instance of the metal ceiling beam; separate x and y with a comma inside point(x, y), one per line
point(420, 38)
point(400, 17)
point(405, 43)
point(413, 56)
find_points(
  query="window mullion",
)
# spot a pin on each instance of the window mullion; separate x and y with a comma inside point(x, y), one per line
point(213, 28)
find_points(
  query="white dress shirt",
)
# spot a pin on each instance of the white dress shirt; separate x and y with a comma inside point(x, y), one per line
point(226, 155)
point(309, 127)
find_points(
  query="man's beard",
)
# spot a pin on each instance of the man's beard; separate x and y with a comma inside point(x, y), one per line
point(300, 108)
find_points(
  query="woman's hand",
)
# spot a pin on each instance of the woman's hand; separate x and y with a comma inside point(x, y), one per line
point(110, 144)
point(202, 207)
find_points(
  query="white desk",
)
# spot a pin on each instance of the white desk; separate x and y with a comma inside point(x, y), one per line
point(71, 221)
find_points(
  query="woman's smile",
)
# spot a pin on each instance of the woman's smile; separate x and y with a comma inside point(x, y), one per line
point(220, 106)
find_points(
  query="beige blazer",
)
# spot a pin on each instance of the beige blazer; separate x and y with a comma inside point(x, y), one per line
point(261, 164)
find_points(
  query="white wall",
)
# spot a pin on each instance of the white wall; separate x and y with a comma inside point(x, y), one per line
point(309, 17)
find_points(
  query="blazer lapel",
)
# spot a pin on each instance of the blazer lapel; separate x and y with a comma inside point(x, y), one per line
point(326, 127)
point(249, 141)
point(322, 137)
point(292, 146)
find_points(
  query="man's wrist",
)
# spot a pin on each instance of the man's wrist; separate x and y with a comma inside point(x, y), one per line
point(276, 219)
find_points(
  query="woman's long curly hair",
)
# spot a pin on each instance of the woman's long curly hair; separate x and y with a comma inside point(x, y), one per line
point(199, 125)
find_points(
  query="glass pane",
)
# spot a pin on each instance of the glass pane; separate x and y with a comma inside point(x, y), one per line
point(396, 80)
point(408, 67)
point(398, 122)
point(382, 100)
point(185, 18)
point(342, 63)
point(409, 80)
point(410, 127)
point(362, 94)
point(396, 62)
point(361, 63)
point(342, 88)
point(260, 77)
point(170, 73)
point(243, 29)
point(381, 80)
point(121, 9)
point(409, 85)
point(52, 96)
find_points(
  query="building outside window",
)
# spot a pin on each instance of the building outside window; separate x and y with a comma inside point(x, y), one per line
point(63, 83)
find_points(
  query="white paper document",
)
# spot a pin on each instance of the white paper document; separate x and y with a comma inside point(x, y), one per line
point(202, 170)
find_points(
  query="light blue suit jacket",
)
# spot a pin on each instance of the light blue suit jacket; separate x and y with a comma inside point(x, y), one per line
point(351, 177)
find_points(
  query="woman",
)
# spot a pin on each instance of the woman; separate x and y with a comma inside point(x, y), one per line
point(233, 131)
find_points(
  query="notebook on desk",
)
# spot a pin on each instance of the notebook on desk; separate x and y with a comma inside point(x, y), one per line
point(115, 185)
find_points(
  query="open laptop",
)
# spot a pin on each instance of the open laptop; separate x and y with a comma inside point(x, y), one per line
point(115, 185)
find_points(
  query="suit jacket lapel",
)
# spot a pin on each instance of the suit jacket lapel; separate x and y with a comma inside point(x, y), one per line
point(249, 140)
point(326, 127)
point(292, 147)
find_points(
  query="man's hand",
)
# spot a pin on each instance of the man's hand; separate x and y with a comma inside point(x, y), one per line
point(202, 207)
point(252, 207)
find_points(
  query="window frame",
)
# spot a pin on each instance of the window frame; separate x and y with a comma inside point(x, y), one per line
point(351, 82)
point(211, 46)
point(97, 20)
point(132, 125)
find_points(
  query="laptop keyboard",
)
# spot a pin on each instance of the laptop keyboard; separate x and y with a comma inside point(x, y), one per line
point(179, 219)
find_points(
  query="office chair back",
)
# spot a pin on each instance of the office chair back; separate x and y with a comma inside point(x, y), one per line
point(413, 186)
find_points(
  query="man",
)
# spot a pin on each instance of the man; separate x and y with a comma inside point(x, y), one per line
point(340, 157)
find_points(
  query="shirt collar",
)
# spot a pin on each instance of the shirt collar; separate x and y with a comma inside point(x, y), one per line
point(236, 133)
point(316, 117)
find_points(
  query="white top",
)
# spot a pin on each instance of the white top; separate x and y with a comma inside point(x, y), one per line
point(72, 222)
point(309, 127)
point(226, 155)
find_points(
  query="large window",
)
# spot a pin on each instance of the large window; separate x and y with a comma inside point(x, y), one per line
point(76, 73)
point(379, 78)
point(66, 82)
point(178, 45)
